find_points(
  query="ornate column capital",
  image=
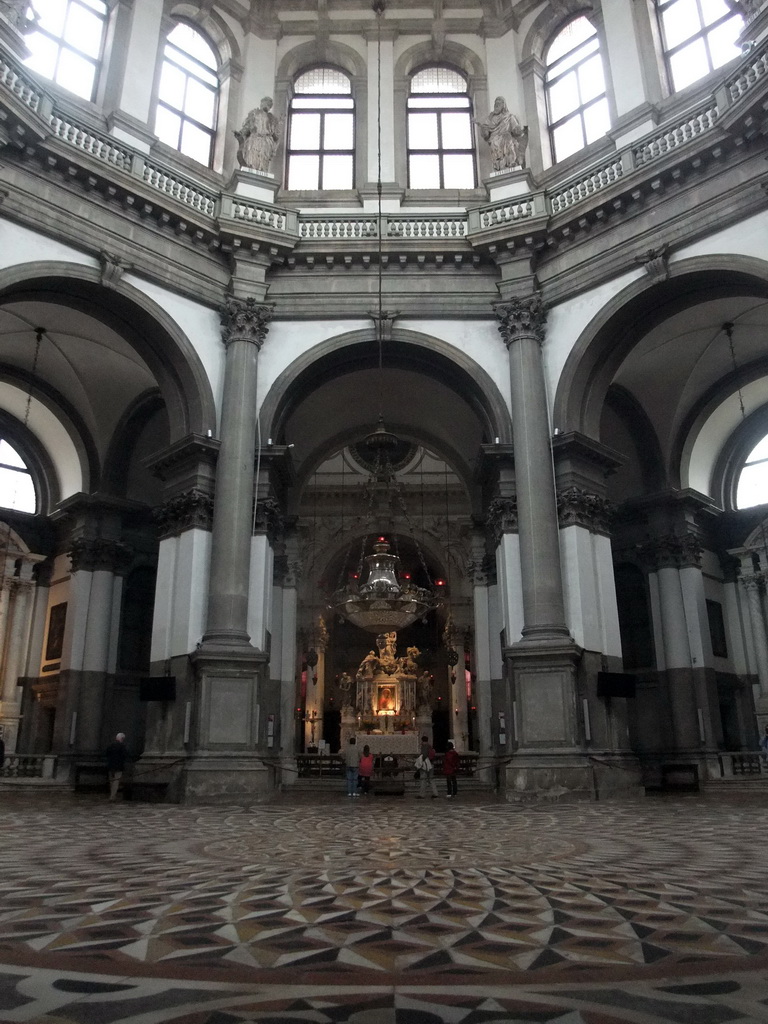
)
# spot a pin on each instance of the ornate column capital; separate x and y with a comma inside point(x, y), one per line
point(479, 572)
point(245, 320)
point(188, 511)
point(502, 517)
point(521, 318)
point(754, 582)
point(577, 507)
point(268, 518)
point(95, 554)
point(677, 551)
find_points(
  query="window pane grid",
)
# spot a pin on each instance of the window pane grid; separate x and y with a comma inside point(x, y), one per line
point(321, 132)
point(17, 491)
point(698, 37)
point(67, 43)
point(188, 95)
point(439, 128)
point(577, 105)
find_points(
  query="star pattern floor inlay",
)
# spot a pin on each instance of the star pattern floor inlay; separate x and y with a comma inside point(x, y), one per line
point(383, 911)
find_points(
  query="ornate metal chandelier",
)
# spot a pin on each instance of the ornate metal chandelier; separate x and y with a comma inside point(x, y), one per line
point(385, 601)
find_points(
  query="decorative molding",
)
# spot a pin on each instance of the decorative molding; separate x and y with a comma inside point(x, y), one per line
point(577, 507)
point(268, 518)
point(676, 551)
point(521, 318)
point(112, 269)
point(755, 582)
point(245, 320)
point(501, 518)
point(480, 572)
point(656, 263)
point(95, 554)
point(192, 510)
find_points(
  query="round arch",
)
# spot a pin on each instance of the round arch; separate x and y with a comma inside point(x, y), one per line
point(423, 54)
point(310, 54)
point(420, 353)
point(609, 338)
point(155, 336)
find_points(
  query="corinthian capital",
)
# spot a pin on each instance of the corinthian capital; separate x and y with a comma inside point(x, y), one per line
point(245, 320)
point(521, 318)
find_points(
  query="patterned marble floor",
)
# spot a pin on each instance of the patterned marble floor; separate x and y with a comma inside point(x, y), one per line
point(383, 911)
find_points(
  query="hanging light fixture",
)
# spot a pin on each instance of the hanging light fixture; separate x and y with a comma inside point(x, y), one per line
point(385, 601)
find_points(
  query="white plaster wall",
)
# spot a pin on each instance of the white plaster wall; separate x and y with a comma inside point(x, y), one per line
point(259, 596)
point(746, 238)
point(699, 642)
point(566, 322)
point(623, 56)
point(697, 470)
point(260, 63)
point(737, 626)
point(287, 340)
point(200, 324)
point(590, 596)
point(141, 59)
point(19, 245)
point(504, 74)
point(51, 434)
point(181, 594)
point(386, 107)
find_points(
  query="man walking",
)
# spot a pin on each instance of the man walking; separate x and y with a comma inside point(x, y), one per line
point(352, 762)
point(116, 755)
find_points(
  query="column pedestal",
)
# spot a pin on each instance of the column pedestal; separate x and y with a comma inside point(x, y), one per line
point(228, 740)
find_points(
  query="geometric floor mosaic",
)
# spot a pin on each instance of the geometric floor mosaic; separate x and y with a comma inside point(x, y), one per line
point(383, 911)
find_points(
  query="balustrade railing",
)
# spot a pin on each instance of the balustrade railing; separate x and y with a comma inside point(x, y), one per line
point(399, 226)
point(747, 77)
point(28, 766)
point(20, 86)
point(675, 136)
point(95, 145)
point(742, 764)
point(179, 188)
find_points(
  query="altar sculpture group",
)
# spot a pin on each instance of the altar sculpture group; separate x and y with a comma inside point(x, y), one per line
point(386, 685)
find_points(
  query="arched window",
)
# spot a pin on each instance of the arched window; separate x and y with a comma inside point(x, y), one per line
point(17, 490)
point(440, 141)
point(321, 132)
point(188, 95)
point(577, 106)
point(68, 42)
point(752, 488)
point(698, 36)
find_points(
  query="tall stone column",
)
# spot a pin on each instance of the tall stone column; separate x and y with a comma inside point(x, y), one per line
point(17, 592)
point(546, 724)
point(244, 328)
point(754, 585)
point(521, 324)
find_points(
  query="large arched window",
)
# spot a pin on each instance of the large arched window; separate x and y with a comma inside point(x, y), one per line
point(188, 94)
point(577, 105)
point(440, 141)
point(17, 491)
point(67, 43)
point(698, 36)
point(321, 132)
point(752, 488)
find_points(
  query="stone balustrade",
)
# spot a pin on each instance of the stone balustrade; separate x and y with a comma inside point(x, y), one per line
point(28, 766)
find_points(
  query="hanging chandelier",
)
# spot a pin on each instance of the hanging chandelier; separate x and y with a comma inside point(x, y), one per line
point(385, 600)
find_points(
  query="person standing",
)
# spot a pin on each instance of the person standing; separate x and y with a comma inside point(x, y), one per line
point(116, 756)
point(365, 770)
point(352, 762)
point(451, 769)
point(427, 770)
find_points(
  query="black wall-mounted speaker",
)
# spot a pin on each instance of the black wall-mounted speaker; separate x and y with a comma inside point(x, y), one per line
point(157, 688)
point(615, 684)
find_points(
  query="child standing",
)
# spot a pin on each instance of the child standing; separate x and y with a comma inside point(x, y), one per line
point(365, 770)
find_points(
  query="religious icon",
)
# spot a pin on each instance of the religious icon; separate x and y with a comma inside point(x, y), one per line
point(386, 699)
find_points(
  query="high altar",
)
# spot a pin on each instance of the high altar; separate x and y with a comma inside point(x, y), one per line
point(387, 705)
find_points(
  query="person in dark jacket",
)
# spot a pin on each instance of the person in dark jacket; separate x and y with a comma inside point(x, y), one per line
point(116, 756)
point(451, 769)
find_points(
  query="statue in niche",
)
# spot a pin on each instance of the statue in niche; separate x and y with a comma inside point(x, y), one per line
point(505, 135)
point(258, 137)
